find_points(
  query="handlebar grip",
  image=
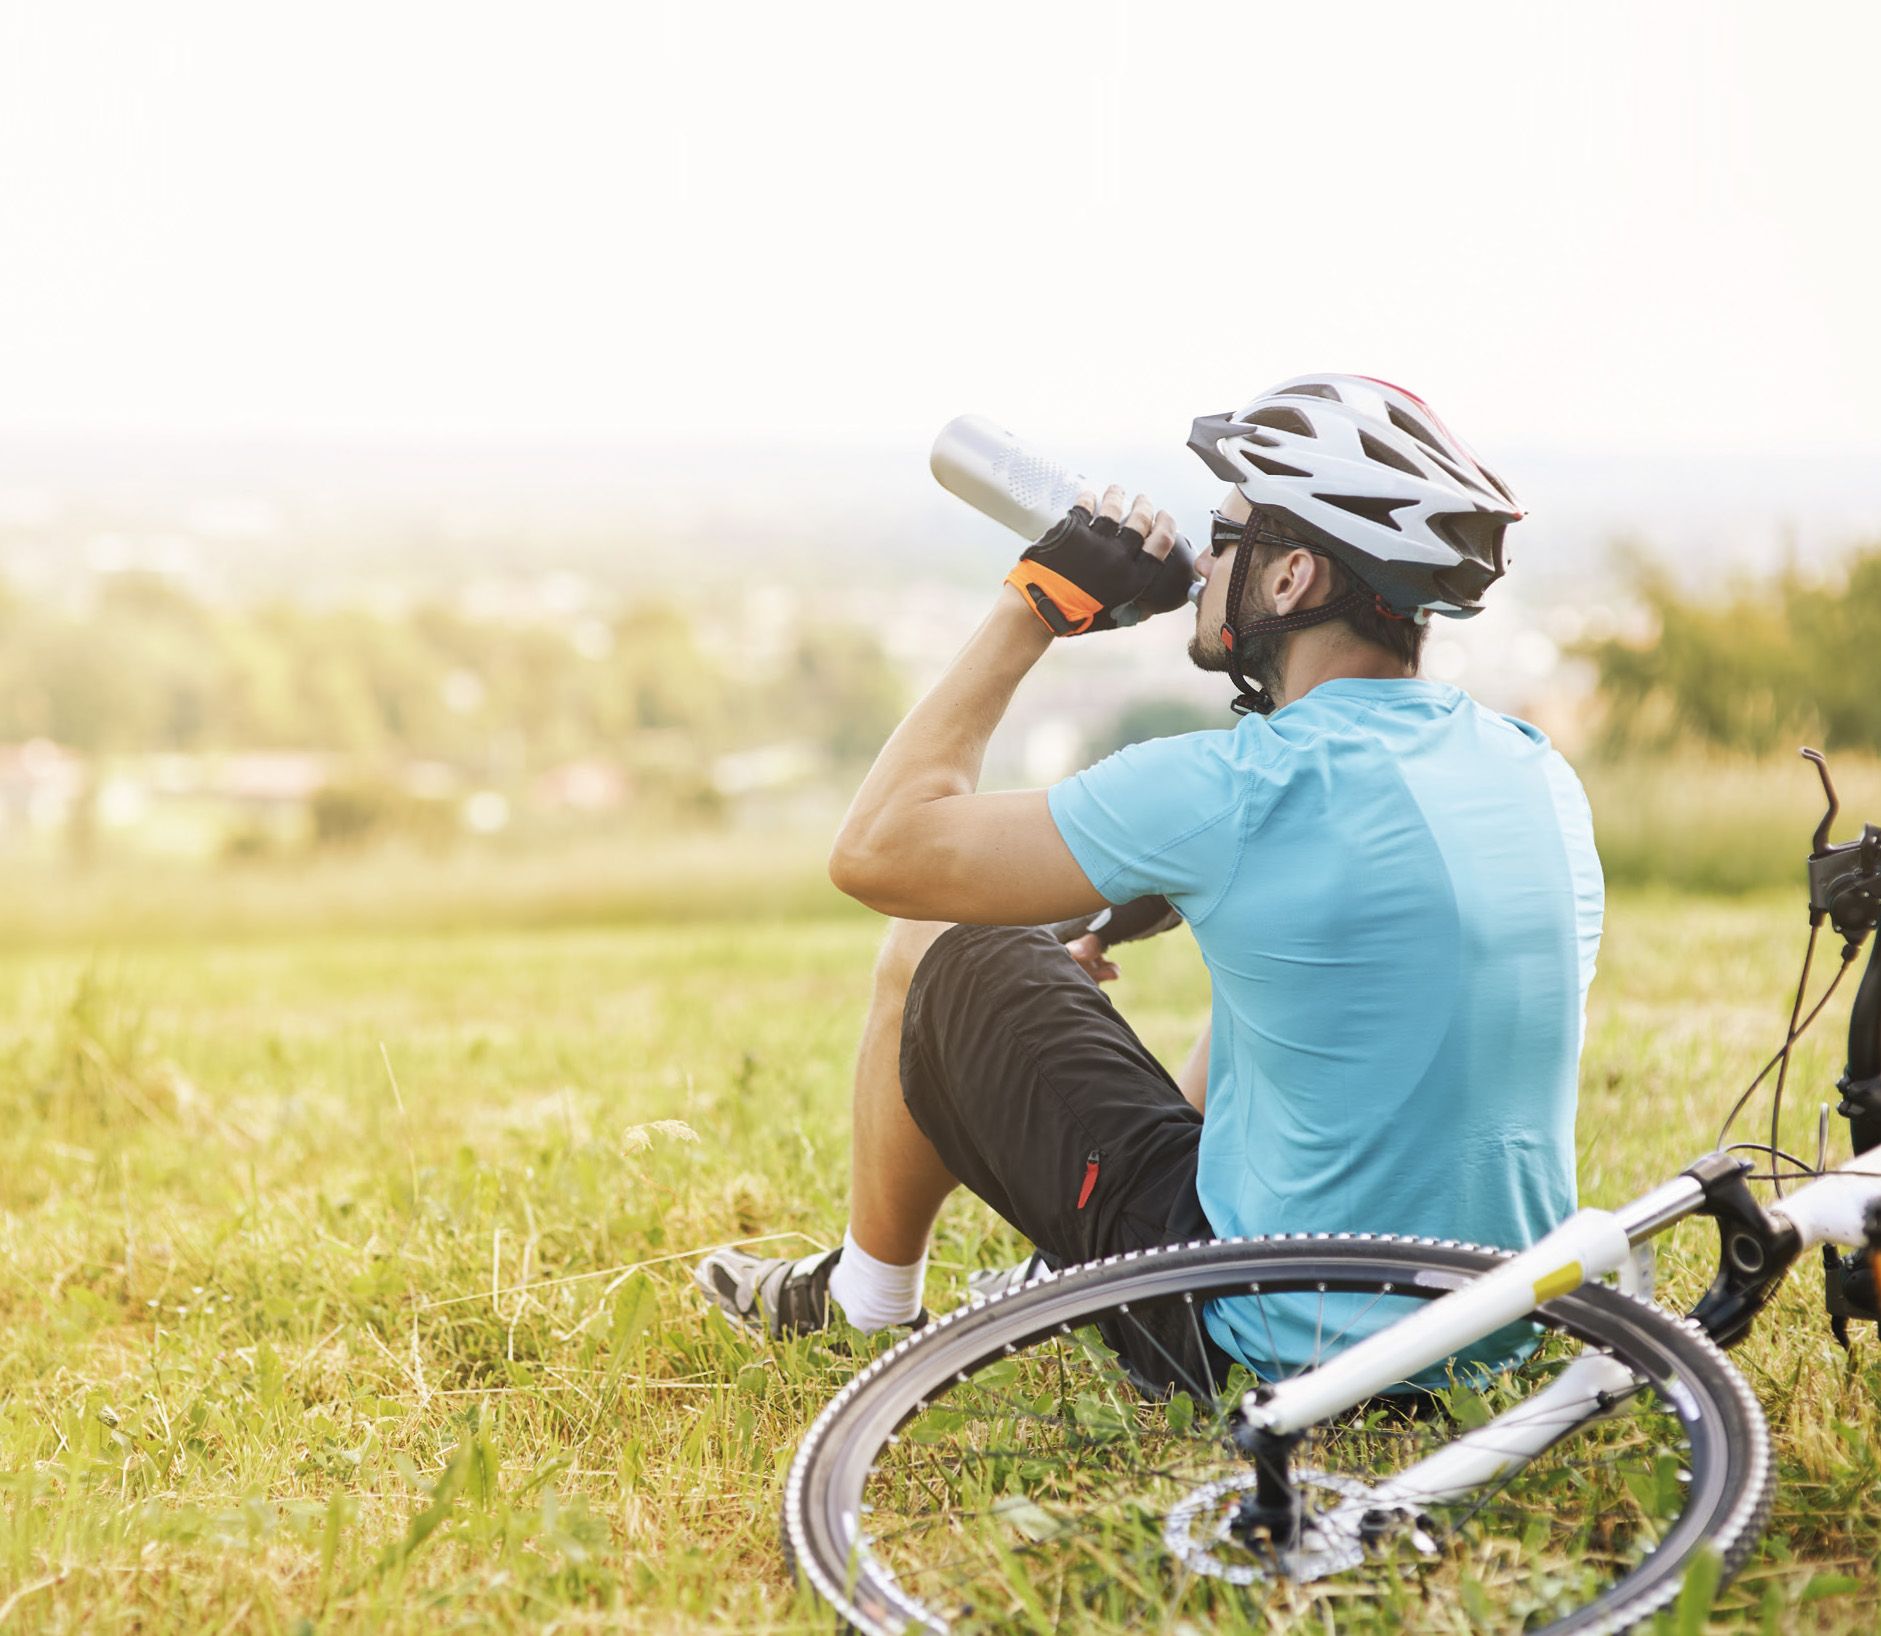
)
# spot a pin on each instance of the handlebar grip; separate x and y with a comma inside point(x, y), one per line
point(1120, 923)
point(1861, 1085)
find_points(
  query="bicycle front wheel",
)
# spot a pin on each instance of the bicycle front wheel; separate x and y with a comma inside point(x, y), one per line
point(998, 1469)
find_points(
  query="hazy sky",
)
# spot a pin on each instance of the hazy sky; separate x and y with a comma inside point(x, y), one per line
point(1597, 224)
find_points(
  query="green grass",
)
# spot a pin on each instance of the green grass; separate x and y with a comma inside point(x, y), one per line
point(589, 877)
point(344, 1274)
point(1713, 823)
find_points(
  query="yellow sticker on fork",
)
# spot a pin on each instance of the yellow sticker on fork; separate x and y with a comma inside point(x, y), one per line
point(1559, 1282)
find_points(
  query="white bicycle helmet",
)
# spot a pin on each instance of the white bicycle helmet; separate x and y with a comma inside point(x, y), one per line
point(1365, 472)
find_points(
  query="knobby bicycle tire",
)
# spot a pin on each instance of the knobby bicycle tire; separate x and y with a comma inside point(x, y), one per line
point(1719, 1487)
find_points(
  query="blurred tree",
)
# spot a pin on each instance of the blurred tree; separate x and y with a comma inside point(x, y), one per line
point(840, 688)
point(150, 668)
point(347, 815)
point(667, 680)
point(1774, 661)
point(1156, 718)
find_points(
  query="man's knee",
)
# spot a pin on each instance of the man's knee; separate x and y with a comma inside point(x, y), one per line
point(951, 982)
point(901, 953)
point(970, 951)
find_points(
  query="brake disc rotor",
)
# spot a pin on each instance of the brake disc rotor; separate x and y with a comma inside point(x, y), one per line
point(1203, 1521)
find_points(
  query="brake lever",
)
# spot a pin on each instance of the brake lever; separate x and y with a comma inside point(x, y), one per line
point(1844, 879)
point(1120, 923)
point(1821, 762)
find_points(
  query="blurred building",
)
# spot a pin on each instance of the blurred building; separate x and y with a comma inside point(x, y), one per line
point(40, 785)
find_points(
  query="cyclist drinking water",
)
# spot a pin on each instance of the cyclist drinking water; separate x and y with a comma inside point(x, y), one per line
point(1395, 891)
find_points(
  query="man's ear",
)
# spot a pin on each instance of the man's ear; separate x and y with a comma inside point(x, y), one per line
point(1300, 572)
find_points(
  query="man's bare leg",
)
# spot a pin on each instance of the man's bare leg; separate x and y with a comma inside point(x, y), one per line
point(897, 1185)
point(897, 1182)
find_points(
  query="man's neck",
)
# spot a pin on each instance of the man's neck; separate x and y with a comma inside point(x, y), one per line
point(1332, 657)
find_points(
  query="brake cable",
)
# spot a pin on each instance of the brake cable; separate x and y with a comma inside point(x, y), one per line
point(1781, 1062)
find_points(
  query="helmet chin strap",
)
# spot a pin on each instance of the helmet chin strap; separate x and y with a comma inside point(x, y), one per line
point(1249, 700)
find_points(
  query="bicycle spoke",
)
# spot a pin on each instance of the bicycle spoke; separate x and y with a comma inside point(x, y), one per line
point(1201, 1348)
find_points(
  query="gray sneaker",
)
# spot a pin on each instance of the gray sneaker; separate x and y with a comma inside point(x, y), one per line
point(775, 1294)
point(990, 1281)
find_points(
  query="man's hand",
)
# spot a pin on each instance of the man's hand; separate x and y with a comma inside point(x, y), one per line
point(1096, 562)
point(1088, 951)
point(1088, 939)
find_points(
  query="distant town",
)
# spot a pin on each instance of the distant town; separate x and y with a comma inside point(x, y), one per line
point(511, 640)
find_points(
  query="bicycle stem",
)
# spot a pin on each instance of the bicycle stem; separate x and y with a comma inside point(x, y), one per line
point(1832, 1209)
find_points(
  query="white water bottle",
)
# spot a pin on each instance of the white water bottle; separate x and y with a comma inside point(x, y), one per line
point(989, 468)
point(982, 463)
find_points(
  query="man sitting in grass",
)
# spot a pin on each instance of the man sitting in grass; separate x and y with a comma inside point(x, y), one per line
point(1395, 891)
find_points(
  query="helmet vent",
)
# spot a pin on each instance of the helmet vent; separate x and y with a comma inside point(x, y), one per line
point(1415, 427)
point(1282, 420)
point(1475, 534)
point(1385, 455)
point(1372, 510)
point(1312, 390)
point(1454, 469)
point(1273, 468)
point(1499, 486)
point(1468, 479)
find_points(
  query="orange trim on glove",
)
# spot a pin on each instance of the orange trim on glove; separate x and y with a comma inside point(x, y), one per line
point(1044, 588)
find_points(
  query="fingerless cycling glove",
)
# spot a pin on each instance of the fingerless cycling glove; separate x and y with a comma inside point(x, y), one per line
point(1084, 571)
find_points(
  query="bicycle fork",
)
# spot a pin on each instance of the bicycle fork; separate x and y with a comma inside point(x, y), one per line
point(1589, 1388)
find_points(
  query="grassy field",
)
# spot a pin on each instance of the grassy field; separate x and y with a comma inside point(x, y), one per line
point(345, 1273)
point(1719, 824)
point(1695, 823)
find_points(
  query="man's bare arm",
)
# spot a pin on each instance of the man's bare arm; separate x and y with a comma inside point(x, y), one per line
point(919, 842)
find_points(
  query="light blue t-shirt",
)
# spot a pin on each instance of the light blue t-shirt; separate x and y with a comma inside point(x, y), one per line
point(1398, 899)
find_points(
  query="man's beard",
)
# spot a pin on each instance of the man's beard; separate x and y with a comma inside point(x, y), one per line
point(1260, 655)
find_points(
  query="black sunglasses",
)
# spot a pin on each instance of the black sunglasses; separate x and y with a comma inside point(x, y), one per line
point(1224, 532)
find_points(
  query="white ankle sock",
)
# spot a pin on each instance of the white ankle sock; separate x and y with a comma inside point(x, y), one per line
point(874, 1294)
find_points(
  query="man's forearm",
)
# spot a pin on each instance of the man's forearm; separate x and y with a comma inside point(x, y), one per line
point(919, 843)
point(940, 746)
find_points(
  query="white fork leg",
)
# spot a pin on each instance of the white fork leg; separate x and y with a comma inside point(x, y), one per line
point(1583, 1391)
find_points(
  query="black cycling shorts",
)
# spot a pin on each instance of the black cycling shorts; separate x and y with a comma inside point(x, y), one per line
point(1041, 1099)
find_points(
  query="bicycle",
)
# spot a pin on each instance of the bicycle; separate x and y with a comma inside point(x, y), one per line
point(1016, 1465)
